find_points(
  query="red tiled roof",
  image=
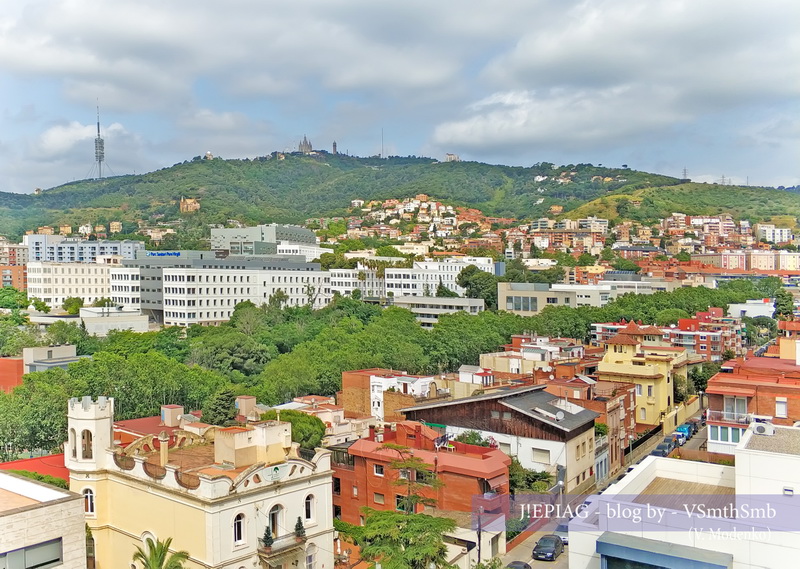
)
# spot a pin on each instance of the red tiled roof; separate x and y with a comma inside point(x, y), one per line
point(622, 339)
point(144, 426)
point(51, 465)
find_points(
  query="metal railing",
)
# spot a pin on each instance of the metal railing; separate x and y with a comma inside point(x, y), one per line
point(729, 417)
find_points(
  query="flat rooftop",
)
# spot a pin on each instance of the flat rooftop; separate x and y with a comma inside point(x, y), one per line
point(19, 492)
point(674, 494)
point(784, 441)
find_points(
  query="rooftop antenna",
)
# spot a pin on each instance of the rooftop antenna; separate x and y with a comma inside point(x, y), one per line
point(99, 148)
point(685, 173)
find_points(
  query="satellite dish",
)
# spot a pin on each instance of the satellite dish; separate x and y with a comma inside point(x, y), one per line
point(551, 376)
point(560, 416)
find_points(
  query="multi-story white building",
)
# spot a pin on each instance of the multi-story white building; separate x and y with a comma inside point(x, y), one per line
point(60, 249)
point(310, 252)
point(527, 299)
point(771, 234)
point(259, 240)
point(680, 513)
point(428, 309)
point(362, 278)
point(424, 277)
point(215, 491)
point(42, 526)
point(55, 282)
point(181, 288)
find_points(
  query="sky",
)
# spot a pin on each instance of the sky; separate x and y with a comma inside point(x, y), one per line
point(709, 86)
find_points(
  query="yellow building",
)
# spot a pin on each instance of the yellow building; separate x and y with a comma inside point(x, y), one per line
point(639, 355)
point(213, 490)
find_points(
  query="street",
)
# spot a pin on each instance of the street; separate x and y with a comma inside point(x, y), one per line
point(524, 551)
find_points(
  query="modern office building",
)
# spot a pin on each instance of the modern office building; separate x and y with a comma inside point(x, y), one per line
point(259, 240)
point(181, 288)
point(54, 282)
point(60, 249)
point(424, 277)
point(428, 309)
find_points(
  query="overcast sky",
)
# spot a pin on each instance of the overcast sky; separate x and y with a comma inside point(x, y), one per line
point(709, 85)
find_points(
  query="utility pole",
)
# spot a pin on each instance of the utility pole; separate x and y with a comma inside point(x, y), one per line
point(480, 528)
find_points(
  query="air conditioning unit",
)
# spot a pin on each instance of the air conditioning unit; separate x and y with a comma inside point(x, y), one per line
point(764, 429)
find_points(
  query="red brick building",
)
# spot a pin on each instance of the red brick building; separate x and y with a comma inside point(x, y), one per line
point(11, 372)
point(767, 389)
point(14, 275)
point(363, 476)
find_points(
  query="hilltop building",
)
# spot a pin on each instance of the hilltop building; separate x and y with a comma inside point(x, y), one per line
point(305, 146)
point(189, 205)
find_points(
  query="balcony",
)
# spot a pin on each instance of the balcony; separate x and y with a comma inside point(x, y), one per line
point(651, 400)
point(729, 417)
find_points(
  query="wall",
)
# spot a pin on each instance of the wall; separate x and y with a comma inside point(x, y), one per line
point(11, 371)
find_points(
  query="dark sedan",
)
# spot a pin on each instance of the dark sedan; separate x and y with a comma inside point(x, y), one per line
point(518, 565)
point(548, 548)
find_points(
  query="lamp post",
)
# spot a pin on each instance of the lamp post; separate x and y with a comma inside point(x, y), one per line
point(480, 528)
point(700, 393)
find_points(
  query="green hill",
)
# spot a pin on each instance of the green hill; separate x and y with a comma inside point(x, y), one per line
point(296, 187)
point(651, 204)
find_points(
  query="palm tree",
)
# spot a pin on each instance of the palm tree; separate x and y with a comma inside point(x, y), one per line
point(156, 555)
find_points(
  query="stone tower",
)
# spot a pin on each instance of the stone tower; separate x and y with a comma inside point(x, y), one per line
point(334, 147)
point(90, 427)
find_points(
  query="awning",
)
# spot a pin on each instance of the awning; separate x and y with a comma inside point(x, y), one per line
point(724, 390)
point(660, 553)
point(498, 481)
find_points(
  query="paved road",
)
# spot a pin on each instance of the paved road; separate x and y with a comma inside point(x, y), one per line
point(524, 552)
point(697, 440)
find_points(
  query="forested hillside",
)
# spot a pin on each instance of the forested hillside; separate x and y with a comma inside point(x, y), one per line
point(297, 187)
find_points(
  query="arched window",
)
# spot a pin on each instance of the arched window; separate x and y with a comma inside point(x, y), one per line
point(276, 520)
point(238, 528)
point(309, 507)
point(88, 501)
point(311, 556)
point(72, 443)
point(86, 444)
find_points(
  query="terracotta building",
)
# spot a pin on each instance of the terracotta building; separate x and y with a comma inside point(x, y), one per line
point(363, 475)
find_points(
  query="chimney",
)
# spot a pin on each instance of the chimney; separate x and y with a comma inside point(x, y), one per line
point(170, 415)
point(163, 442)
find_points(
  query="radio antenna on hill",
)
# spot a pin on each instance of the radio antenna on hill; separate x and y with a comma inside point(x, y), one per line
point(99, 148)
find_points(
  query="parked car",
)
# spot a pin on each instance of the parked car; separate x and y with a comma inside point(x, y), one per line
point(680, 438)
point(671, 441)
point(518, 565)
point(686, 429)
point(548, 548)
point(662, 450)
point(562, 531)
point(695, 423)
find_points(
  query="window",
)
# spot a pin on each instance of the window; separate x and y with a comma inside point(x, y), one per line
point(495, 414)
point(86, 444)
point(403, 474)
point(377, 469)
point(781, 407)
point(238, 529)
point(642, 414)
point(541, 455)
point(355, 490)
point(275, 519)
point(723, 434)
point(649, 390)
point(713, 433)
point(506, 415)
point(88, 501)
point(309, 507)
point(378, 498)
point(72, 443)
point(311, 556)
point(400, 503)
point(638, 389)
point(735, 435)
point(39, 556)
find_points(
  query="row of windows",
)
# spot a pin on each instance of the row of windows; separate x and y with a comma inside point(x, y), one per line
point(725, 434)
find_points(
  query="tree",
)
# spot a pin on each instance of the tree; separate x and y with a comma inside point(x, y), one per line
point(523, 479)
point(444, 292)
point(478, 284)
point(784, 305)
point(72, 305)
point(299, 528)
point(220, 408)
point(670, 316)
point(308, 430)
point(13, 298)
point(415, 475)
point(278, 299)
point(156, 555)
point(40, 306)
point(472, 438)
point(103, 302)
point(400, 541)
point(683, 256)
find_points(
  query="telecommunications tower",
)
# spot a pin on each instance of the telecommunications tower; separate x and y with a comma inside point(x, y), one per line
point(99, 148)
